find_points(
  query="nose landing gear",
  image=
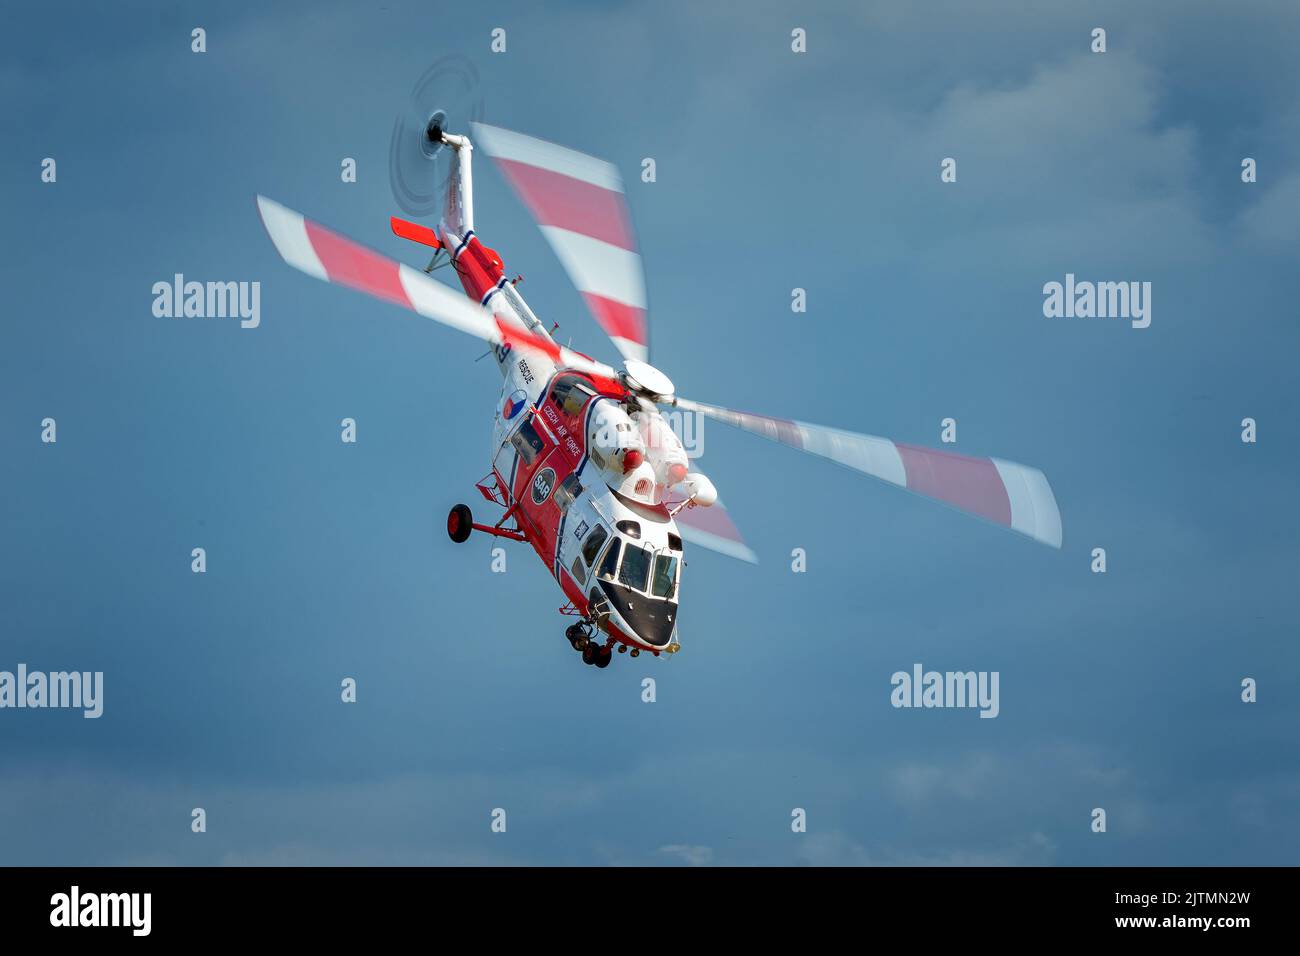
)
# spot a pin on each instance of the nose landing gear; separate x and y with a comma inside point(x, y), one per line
point(583, 638)
point(579, 635)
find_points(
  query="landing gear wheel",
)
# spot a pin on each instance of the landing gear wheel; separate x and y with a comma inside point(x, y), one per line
point(459, 524)
point(577, 635)
point(589, 653)
point(603, 656)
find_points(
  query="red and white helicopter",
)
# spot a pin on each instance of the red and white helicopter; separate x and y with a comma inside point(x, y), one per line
point(584, 465)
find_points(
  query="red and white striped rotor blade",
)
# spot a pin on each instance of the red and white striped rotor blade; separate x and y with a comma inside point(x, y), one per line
point(713, 528)
point(327, 255)
point(578, 202)
point(1003, 492)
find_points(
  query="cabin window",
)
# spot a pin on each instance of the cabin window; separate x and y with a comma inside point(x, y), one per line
point(527, 442)
point(591, 547)
point(664, 581)
point(579, 573)
point(568, 492)
point(635, 569)
point(610, 563)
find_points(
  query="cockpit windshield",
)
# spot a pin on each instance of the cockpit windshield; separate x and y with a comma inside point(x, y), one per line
point(635, 569)
point(642, 569)
point(641, 590)
point(664, 581)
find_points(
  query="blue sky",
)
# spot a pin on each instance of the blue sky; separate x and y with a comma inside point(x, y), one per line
point(774, 171)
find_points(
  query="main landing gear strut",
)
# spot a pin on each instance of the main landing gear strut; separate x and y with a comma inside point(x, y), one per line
point(460, 523)
point(585, 639)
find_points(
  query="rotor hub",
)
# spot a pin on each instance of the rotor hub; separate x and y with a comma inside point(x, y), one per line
point(645, 378)
point(432, 144)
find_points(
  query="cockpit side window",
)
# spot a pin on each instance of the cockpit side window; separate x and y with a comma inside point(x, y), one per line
point(527, 442)
point(674, 542)
point(570, 394)
point(591, 547)
point(635, 569)
point(568, 492)
point(664, 581)
point(611, 561)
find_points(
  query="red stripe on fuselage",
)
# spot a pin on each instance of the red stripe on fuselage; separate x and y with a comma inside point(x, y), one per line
point(475, 277)
point(972, 484)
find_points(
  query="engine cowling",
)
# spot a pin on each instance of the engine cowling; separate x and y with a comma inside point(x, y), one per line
point(663, 449)
point(611, 436)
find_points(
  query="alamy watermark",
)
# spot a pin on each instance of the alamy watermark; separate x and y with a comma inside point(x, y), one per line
point(75, 908)
point(209, 300)
point(922, 688)
point(687, 426)
point(672, 432)
point(1098, 300)
point(82, 690)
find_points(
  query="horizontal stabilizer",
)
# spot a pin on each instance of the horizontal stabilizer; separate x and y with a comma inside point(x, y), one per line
point(415, 232)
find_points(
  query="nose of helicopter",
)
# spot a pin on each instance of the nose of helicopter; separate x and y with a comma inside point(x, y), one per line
point(649, 621)
point(653, 621)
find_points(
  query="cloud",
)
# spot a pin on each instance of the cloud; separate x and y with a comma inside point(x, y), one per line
point(972, 777)
point(1274, 217)
point(411, 819)
point(691, 855)
point(836, 848)
point(1073, 163)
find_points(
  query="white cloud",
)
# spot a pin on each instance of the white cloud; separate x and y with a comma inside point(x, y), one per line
point(1275, 216)
point(691, 855)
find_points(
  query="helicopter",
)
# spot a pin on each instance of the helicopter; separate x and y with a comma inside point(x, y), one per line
point(586, 468)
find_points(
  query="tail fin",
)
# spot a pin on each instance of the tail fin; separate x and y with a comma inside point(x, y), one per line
point(458, 208)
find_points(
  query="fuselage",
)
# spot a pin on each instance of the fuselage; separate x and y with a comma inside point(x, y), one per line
point(569, 457)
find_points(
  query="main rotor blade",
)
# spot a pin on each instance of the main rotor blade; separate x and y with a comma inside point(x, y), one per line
point(1003, 492)
point(331, 257)
point(579, 204)
point(713, 528)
